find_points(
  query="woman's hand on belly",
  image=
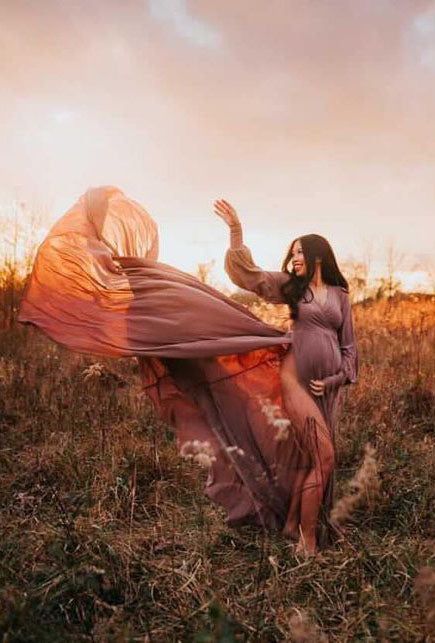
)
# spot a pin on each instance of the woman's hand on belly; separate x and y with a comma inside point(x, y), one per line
point(317, 387)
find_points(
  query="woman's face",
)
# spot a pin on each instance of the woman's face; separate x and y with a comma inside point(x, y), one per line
point(298, 260)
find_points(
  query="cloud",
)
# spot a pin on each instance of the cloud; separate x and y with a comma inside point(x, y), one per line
point(63, 116)
point(424, 33)
point(185, 25)
point(425, 23)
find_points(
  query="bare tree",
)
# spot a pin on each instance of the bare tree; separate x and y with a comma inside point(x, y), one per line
point(393, 261)
point(356, 275)
point(19, 228)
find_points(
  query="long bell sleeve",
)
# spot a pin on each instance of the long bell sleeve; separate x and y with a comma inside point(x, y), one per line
point(349, 354)
point(244, 273)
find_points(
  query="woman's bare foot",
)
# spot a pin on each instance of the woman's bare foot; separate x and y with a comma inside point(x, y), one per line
point(307, 545)
point(291, 531)
point(305, 552)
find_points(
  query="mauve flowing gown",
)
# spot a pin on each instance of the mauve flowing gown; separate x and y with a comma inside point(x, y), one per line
point(323, 346)
point(207, 363)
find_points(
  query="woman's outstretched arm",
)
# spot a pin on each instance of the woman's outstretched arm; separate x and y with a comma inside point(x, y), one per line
point(239, 264)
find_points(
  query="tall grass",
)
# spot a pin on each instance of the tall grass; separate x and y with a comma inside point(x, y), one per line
point(107, 536)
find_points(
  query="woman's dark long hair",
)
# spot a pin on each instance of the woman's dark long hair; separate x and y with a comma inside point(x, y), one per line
point(314, 247)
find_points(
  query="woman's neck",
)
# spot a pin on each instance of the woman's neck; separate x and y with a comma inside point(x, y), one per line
point(317, 281)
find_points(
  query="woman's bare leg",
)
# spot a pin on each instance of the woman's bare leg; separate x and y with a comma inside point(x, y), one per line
point(305, 415)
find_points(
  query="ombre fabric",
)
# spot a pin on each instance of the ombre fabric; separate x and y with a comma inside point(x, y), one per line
point(208, 364)
point(220, 401)
point(79, 297)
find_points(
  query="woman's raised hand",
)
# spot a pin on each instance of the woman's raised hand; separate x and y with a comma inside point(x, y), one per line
point(225, 211)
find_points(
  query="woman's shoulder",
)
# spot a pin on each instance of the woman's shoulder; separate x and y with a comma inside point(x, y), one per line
point(340, 289)
point(341, 294)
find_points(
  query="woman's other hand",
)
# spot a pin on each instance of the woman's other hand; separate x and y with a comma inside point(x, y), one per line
point(226, 212)
point(317, 387)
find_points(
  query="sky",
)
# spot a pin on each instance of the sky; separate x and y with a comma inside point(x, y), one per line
point(308, 115)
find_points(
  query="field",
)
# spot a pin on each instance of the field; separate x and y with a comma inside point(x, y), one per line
point(105, 534)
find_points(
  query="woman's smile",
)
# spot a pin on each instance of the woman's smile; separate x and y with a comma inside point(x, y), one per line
point(298, 259)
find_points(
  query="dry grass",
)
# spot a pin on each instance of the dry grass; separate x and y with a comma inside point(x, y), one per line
point(107, 536)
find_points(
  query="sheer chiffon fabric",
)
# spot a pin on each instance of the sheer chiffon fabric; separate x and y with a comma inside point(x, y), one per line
point(79, 297)
point(208, 364)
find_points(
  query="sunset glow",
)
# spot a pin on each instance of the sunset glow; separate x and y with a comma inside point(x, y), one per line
point(309, 117)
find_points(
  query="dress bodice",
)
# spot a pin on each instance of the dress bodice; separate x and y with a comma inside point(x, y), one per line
point(316, 315)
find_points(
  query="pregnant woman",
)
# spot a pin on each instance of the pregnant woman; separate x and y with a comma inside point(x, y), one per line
point(321, 358)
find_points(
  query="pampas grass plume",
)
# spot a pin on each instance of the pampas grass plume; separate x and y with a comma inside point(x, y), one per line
point(273, 416)
point(364, 488)
point(200, 452)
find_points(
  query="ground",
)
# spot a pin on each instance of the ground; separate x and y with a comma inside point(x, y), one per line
point(107, 536)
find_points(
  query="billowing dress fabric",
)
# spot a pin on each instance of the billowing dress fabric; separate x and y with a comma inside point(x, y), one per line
point(207, 363)
point(323, 343)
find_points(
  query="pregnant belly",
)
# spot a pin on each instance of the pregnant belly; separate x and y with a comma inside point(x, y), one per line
point(317, 355)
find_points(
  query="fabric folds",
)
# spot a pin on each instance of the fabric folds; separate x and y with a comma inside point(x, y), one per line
point(209, 365)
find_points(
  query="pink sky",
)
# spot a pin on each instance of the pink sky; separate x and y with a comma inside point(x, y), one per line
point(310, 116)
